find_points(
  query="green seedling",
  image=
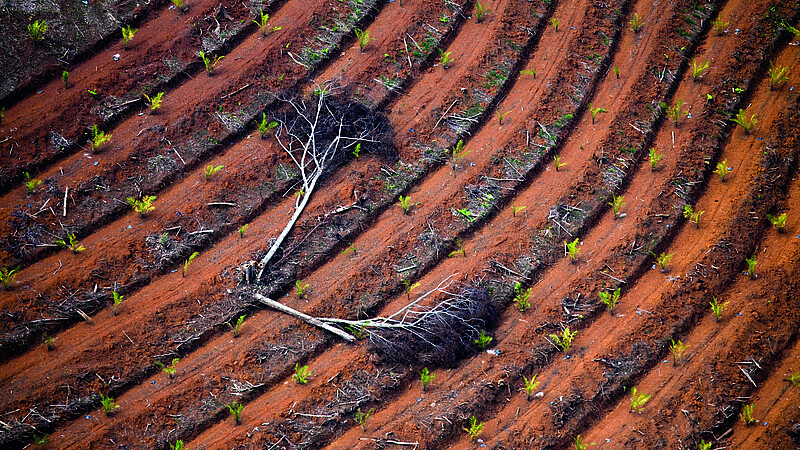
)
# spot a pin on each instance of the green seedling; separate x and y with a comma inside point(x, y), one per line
point(554, 22)
point(638, 400)
point(71, 243)
point(210, 171)
point(717, 307)
point(155, 101)
point(563, 340)
point(793, 378)
point(676, 112)
point(616, 71)
point(109, 406)
point(357, 331)
point(751, 266)
point(170, 369)
point(522, 299)
point(610, 299)
point(460, 250)
point(475, 428)
point(49, 342)
point(692, 215)
point(301, 289)
point(779, 221)
point(188, 262)
point(636, 23)
point(237, 327)
point(351, 248)
point(516, 209)
point(654, 159)
point(483, 340)
point(143, 206)
point(409, 287)
point(528, 72)
point(65, 79)
point(263, 19)
point(117, 301)
point(362, 418)
point(265, 127)
point(98, 138)
point(744, 122)
point(178, 445)
point(720, 26)
point(40, 440)
point(777, 75)
point(481, 11)
point(677, 349)
point(557, 162)
point(426, 377)
point(2, 114)
point(363, 38)
point(616, 204)
point(663, 259)
point(405, 203)
point(722, 169)
point(699, 69)
point(596, 111)
point(579, 445)
point(501, 115)
point(235, 408)
point(30, 184)
point(127, 34)
point(36, 30)
point(457, 153)
point(210, 63)
point(444, 58)
point(746, 416)
point(7, 276)
point(530, 385)
point(704, 445)
point(242, 229)
point(301, 374)
point(572, 250)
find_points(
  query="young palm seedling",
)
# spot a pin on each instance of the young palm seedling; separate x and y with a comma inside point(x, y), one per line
point(178, 445)
point(181, 7)
point(408, 287)
point(677, 349)
point(7, 276)
point(65, 79)
point(98, 138)
point(480, 12)
point(554, 22)
point(117, 301)
point(109, 406)
point(616, 71)
point(40, 440)
point(777, 75)
point(636, 23)
point(210, 171)
point(522, 299)
point(143, 206)
point(36, 30)
point(49, 342)
point(357, 150)
point(475, 428)
point(516, 209)
point(663, 259)
point(262, 22)
point(704, 445)
point(362, 418)
point(457, 153)
point(654, 159)
point(779, 221)
point(722, 169)
point(235, 408)
point(596, 111)
point(405, 203)
point(530, 385)
point(699, 69)
point(564, 340)
point(301, 374)
point(746, 415)
point(579, 445)
point(502, 115)
point(210, 63)
point(363, 38)
point(188, 262)
point(747, 124)
point(30, 184)
point(426, 377)
point(237, 327)
point(528, 72)
point(155, 101)
point(461, 250)
point(616, 204)
point(483, 340)
point(720, 26)
point(610, 299)
point(557, 162)
point(265, 127)
point(445, 59)
point(350, 248)
point(572, 250)
point(751, 266)
point(638, 400)
point(301, 288)
point(242, 229)
point(692, 215)
point(717, 307)
point(127, 34)
point(793, 378)
point(170, 369)
point(676, 111)
point(71, 243)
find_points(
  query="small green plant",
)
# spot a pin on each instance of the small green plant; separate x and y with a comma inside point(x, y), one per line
point(663, 259)
point(676, 111)
point(117, 301)
point(127, 34)
point(638, 400)
point(746, 416)
point(405, 203)
point(530, 385)
point(636, 23)
point(65, 79)
point(40, 440)
point(744, 122)
point(242, 229)
point(109, 406)
point(579, 445)
point(460, 250)
point(501, 115)
point(720, 26)
point(362, 418)
point(596, 111)
point(2, 114)
point(7, 276)
point(528, 72)
point(557, 162)
point(610, 299)
point(616, 71)
point(262, 22)
point(210, 171)
point(692, 215)
point(717, 307)
point(143, 206)
point(408, 287)
point(572, 250)
point(457, 153)
point(188, 262)
point(265, 127)
point(155, 101)
point(563, 340)
point(704, 445)
point(480, 12)
point(483, 340)
point(49, 342)
point(351, 248)
point(522, 297)
point(170, 369)
point(178, 445)
point(36, 30)
point(71, 243)
point(357, 150)
point(554, 22)
point(677, 349)
point(654, 159)
point(237, 327)
point(516, 209)
point(426, 377)
point(699, 69)
point(363, 38)
point(444, 58)
point(751, 266)
point(210, 63)
point(235, 408)
point(30, 184)
point(793, 378)
point(779, 221)
point(616, 204)
point(475, 428)
point(301, 374)
point(300, 288)
point(777, 75)
point(98, 138)
point(722, 169)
